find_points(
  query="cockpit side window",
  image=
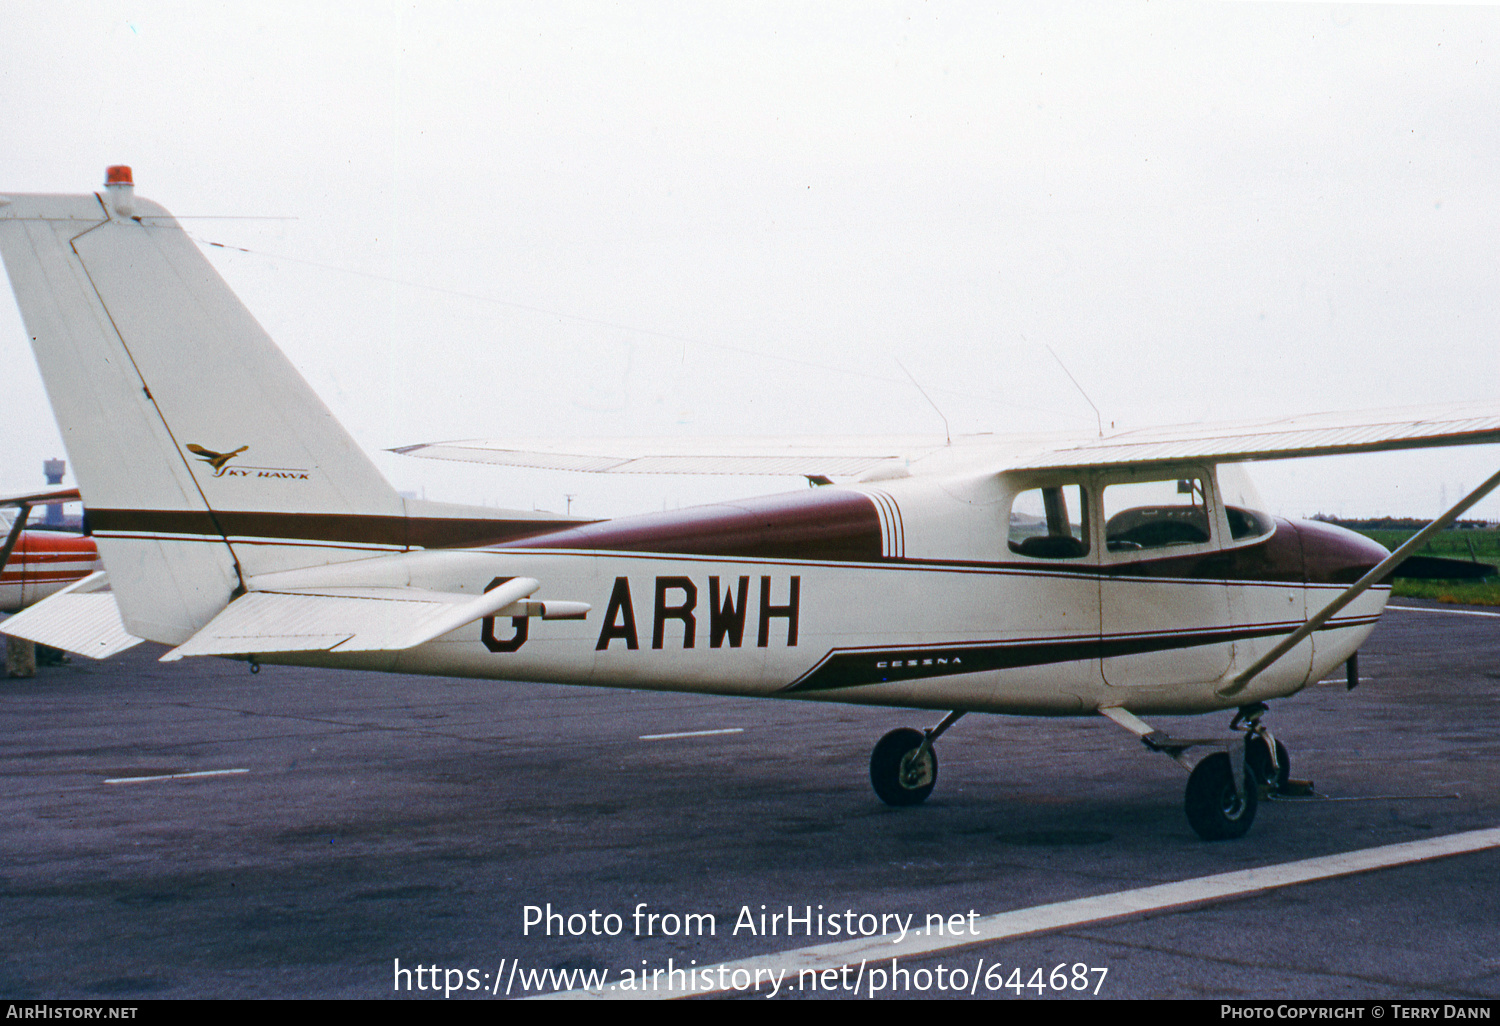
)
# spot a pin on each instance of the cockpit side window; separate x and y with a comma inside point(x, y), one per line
point(1156, 514)
point(1050, 522)
point(1246, 523)
point(1243, 506)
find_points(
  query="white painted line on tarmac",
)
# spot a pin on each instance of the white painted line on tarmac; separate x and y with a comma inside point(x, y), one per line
point(692, 733)
point(1451, 612)
point(876, 952)
point(175, 776)
point(1293, 799)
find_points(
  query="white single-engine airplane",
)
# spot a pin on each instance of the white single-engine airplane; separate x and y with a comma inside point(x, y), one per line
point(1121, 576)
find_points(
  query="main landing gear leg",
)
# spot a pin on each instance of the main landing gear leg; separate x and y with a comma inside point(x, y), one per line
point(903, 767)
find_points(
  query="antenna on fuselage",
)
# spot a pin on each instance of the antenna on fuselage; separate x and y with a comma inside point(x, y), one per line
point(1097, 416)
point(946, 432)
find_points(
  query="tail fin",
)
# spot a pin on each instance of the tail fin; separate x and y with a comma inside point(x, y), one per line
point(202, 455)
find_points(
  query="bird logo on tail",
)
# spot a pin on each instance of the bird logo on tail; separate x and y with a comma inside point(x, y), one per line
point(217, 460)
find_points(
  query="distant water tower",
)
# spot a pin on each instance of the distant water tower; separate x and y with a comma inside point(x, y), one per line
point(54, 469)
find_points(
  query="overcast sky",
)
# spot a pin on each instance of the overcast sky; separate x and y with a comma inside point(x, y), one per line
point(642, 219)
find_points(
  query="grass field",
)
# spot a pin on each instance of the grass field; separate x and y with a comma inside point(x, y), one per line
point(1481, 545)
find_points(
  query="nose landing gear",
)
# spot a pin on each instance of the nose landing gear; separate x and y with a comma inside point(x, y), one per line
point(1265, 757)
point(1225, 787)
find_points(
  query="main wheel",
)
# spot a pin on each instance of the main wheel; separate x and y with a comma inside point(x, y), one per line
point(899, 778)
point(1258, 763)
point(1215, 808)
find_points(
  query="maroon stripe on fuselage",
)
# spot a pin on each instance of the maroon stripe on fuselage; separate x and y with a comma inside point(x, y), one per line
point(821, 524)
point(401, 532)
point(835, 526)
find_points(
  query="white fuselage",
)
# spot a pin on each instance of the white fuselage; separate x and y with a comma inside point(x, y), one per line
point(922, 622)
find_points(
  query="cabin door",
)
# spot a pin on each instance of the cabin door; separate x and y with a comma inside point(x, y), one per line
point(1164, 607)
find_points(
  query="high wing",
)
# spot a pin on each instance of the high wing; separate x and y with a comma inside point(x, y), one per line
point(870, 458)
point(1322, 434)
point(832, 457)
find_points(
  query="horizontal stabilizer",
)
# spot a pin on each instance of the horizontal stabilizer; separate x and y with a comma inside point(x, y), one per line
point(358, 619)
point(82, 619)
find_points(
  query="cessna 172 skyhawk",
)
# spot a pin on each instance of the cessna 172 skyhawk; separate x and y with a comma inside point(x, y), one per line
point(1121, 576)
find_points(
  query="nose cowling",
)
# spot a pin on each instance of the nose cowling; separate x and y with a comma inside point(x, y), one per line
point(1336, 555)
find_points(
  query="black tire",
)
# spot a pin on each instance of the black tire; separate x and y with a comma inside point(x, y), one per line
point(1215, 809)
point(1258, 764)
point(894, 787)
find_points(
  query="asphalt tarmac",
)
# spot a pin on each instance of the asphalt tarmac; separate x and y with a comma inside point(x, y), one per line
point(350, 827)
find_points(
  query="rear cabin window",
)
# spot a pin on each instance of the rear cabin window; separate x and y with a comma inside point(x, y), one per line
point(1140, 515)
point(1050, 523)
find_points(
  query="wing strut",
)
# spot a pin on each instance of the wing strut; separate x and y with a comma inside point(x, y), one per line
point(15, 534)
point(1384, 567)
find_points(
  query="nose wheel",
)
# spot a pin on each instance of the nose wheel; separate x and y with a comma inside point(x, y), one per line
point(1218, 807)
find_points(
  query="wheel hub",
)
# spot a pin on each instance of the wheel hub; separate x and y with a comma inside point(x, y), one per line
point(916, 768)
